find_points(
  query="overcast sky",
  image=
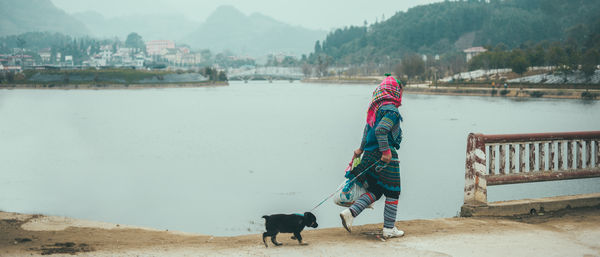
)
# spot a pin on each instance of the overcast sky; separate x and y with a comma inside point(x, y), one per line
point(314, 14)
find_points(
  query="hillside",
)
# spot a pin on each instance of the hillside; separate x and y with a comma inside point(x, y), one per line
point(229, 29)
point(22, 16)
point(453, 26)
point(150, 27)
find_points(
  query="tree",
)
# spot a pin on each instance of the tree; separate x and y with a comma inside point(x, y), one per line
point(499, 59)
point(590, 60)
point(480, 61)
point(307, 70)
point(210, 73)
point(318, 47)
point(411, 65)
point(323, 62)
point(518, 62)
point(21, 44)
point(557, 56)
point(53, 54)
point(222, 76)
point(207, 55)
point(135, 41)
point(573, 56)
point(537, 55)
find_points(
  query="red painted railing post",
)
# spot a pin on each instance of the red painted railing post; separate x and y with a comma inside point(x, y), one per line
point(475, 169)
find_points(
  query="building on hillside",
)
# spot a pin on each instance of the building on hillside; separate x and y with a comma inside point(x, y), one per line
point(4, 59)
point(155, 47)
point(106, 48)
point(92, 62)
point(138, 60)
point(190, 59)
point(169, 54)
point(68, 61)
point(45, 55)
point(180, 56)
point(184, 50)
point(473, 51)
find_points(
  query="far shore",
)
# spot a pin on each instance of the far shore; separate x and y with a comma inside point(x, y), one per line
point(520, 92)
point(101, 86)
point(586, 92)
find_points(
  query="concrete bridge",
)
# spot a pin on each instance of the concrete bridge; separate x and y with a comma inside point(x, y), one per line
point(265, 73)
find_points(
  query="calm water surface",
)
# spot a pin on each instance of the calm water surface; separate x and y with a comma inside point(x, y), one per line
point(214, 160)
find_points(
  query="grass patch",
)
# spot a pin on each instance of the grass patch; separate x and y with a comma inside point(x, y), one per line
point(588, 95)
point(91, 76)
point(561, 92)
point(113, 76)
point(536, 94)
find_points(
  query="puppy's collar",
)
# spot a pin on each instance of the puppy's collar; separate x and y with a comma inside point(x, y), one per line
point(299, 214)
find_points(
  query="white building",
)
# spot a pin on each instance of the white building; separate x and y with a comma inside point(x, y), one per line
point(98, 61)
point(68, 60)
point(473, 51)
point(45, 55)
point(155, 47)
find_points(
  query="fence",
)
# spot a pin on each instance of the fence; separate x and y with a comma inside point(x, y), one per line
point(521, 158)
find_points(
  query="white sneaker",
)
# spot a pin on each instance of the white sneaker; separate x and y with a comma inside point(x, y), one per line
point(346, 216)
point(392, 232)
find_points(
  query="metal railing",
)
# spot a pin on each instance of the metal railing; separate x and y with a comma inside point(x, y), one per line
point(522, 158)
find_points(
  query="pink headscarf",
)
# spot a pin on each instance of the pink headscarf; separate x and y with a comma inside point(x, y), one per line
point(388, 92)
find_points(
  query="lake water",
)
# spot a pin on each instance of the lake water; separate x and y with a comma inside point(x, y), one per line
point(213, 160)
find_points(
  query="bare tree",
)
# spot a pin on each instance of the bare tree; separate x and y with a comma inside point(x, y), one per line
point(323, 62)
point(307, 70)
point(411, 65)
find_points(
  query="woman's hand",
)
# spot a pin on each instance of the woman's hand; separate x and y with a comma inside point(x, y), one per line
point(386, 157)
point(357, 153)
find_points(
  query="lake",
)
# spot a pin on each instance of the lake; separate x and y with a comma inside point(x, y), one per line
point(213, 160)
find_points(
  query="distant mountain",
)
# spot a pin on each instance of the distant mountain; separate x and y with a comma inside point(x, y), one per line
point(20, 16)
point(150, 27)
point(255, 35)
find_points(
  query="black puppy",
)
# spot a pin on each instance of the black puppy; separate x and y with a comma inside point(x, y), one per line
point(287, 223)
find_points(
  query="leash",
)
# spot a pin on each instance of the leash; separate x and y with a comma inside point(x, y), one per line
point(352, 180)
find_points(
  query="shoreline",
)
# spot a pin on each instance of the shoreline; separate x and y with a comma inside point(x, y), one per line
point(101, 86)
point(519, 91)
point(509, 93)
point(482, 89)
point(568, 233)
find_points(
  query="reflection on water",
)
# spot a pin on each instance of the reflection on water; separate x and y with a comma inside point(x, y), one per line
point(214, 160)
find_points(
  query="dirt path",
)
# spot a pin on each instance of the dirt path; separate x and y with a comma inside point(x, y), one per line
point(574, 233)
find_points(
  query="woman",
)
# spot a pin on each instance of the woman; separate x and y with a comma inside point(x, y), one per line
point(381, 138)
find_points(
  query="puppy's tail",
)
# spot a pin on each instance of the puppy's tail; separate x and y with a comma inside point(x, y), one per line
point(266, 217)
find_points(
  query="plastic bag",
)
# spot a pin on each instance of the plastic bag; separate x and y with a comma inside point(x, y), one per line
point(351, 190)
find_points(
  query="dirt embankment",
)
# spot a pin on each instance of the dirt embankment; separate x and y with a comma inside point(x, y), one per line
point(572, 233)
point(522, 92)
